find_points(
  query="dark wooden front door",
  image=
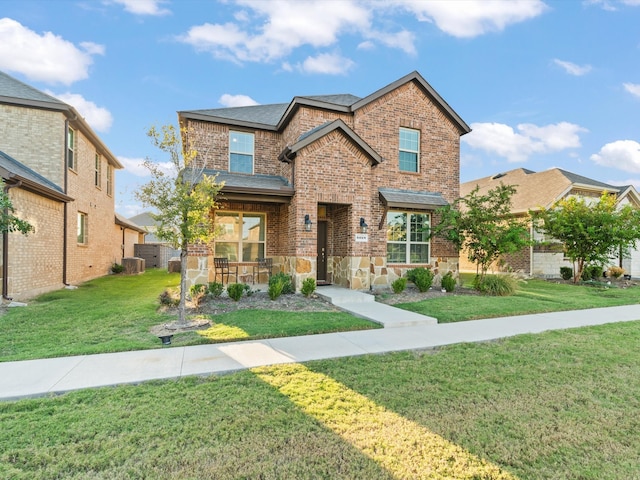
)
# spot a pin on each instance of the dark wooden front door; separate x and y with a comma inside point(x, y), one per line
point(321, 276)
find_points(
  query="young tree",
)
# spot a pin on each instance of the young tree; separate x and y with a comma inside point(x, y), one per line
point(183, 199)
point(590, 232)
point(8, 221)
point(483, 226)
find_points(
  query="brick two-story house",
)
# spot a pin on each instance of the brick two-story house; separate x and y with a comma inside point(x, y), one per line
point(61, 178)
point(339, 188)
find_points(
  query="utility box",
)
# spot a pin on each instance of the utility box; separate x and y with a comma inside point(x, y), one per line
point(133, 265)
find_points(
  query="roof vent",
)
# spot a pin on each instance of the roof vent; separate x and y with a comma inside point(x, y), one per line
point(499, 175)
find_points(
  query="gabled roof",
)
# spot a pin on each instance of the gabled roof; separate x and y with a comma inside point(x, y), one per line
point(538, 190)
point(14, 172)
point(289, 153)
point(120, 220)
point(15, 92)
point(274, 117)
point(144, 219)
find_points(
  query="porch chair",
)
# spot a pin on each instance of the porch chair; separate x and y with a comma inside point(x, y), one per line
point(222, 266)
point(264, 265)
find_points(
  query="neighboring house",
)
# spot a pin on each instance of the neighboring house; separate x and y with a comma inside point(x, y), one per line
point(303, 181)
point(145, 220)
point(61, 179)
point(155, 252)
point(131, 234)
point(541, 190)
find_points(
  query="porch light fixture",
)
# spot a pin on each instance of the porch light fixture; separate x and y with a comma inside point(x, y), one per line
point(363, 225)
point(307, 223)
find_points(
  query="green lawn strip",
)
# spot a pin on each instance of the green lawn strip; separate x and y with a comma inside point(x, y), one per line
point(559, 405)
point(533, 296)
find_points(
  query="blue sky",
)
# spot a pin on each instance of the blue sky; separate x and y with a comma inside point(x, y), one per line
point(542, 84)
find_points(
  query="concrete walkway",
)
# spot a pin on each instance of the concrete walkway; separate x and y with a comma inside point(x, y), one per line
point(33, 378)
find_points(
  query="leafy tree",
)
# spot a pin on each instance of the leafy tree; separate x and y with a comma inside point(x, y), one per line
point(591, 232)
point(8, 221)
point(483, 226)
point(183, 198)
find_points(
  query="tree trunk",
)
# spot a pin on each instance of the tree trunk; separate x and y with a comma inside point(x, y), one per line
point(182, 318)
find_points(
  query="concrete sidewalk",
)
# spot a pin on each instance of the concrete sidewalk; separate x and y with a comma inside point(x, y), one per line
point(33, 378)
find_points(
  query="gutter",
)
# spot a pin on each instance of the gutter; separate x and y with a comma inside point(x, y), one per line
point(5, 248)
point(66, 205)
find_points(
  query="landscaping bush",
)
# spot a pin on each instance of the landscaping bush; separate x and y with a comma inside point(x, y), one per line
point(308, 286)
point(117, 268)
point(615, 272)
point(169, 298)
point(287, 286)
point(248, 291)
point(421, 277)
point(275, 288)
point(216, 289)
point(399, 284)
point(235, 290)
point(448, 282)
point(197, 292)
point(566, 273)
point(596, 271)
point(496, 285)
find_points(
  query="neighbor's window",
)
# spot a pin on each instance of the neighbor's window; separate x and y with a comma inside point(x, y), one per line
point(82, 228)
point(241, 236)
point(71, 146)
point(98, 172)
point(109, 180)
point(409, 150)
point(408, 237)
point(241, 152)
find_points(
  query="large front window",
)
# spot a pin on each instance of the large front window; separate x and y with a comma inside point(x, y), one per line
point(409, 150)
point(241, 152)
point(408, 237)
point(241, 236)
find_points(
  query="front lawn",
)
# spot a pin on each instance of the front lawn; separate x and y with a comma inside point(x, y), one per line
point(559, 405)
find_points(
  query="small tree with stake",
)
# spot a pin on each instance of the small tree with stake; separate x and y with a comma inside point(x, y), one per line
point(183, 200)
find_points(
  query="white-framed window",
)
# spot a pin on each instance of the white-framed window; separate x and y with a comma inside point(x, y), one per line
point(82, 228)
point(97, 176)
point(109, 180)
point(242, 236)
point(241, 152)
point(408, 237)
point(409, 150)
point(71, 148)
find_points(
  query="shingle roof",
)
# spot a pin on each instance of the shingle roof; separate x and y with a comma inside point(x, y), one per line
point(13, 88)
point(411, 199)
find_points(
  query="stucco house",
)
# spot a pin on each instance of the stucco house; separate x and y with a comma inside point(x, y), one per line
point(337, 188)
point(541, 190)
point(61, 178)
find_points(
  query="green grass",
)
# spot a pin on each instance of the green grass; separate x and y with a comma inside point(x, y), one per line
point(533, 296)
point(116, 313)
point(560, 405)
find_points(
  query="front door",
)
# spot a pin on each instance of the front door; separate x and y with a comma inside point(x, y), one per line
point(321, 276)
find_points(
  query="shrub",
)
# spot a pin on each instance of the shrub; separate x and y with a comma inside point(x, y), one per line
point(216, 289)
point(275, 288)
point(247, 289)
point(287, 286)
point(197, 293)
point(596, 271)
point(308, 286)
point(448, 282)
point(117, 268)
point(566, 273)
point(235, 291)
point(169, 298)
point(399, 284)
point(496, 285)
point(615, 272)
point(421, 277)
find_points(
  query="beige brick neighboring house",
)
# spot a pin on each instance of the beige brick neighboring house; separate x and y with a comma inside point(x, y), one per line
point(301, 178)
point(61, 178)
point(540, 190)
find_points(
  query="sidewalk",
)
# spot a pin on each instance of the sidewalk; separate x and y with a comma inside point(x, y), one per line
point(33, 378)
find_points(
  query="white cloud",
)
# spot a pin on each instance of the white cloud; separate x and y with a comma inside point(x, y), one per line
point(229, 100)
point(99, 118)
point(474, 17)
point(136, 167)
point(326, 63)
point(144, 7)
point(633, 88)
point(517, 146)
point(572, 68)
point(621, 154)
point(403, 40)
point(47, 57)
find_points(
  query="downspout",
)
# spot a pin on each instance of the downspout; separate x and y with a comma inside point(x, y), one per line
point(5, 247)
point(66, 205)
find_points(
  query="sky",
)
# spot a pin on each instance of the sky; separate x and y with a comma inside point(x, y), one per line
point(542, 84)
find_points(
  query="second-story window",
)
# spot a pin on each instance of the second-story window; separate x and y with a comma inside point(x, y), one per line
point(71, 146)
point(409, 150)
point(109, 180)
point(241, 152)
point(98, 172)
